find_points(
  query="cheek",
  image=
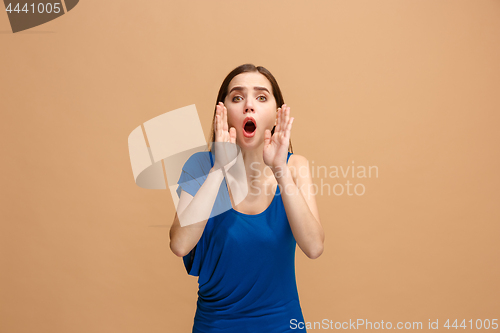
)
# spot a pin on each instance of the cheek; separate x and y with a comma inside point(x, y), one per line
point(232, 119)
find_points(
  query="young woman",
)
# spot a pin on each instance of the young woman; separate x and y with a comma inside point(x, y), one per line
point(244, 255)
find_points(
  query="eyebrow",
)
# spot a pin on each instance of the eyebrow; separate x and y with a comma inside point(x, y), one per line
point(240, 88)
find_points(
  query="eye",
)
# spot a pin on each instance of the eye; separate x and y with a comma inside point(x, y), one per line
point(235, 98)
point(262, 98)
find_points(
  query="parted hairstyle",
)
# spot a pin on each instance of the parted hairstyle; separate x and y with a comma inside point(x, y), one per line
point(245, 69)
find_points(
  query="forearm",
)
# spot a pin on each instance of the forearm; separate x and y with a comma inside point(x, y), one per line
point(190, 221)
point(307, 231)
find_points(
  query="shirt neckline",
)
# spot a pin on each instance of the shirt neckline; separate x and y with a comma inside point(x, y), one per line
point(276, 192)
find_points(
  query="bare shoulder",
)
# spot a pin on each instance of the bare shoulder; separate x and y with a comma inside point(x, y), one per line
point(296, 163)
point(297, 160)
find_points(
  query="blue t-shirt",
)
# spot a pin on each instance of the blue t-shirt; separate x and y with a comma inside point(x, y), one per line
point(245, 263)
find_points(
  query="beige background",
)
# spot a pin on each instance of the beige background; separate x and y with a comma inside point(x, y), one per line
point(408, 86)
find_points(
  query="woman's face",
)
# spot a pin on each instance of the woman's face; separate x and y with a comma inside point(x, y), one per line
point(250, 98)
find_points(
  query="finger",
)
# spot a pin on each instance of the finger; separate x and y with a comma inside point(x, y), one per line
point(287, 117)
point(215, 122)
point(267, 137)
point(282, 113)
point(217, 132)
point(278, 122)
point(219, 119)
point(284, 118)
point(232, 135)
point(286, 112)
point(218, 127)
point(289, 128)
point(224, 119)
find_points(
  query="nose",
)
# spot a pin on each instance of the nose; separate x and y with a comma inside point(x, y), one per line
point(249, 105)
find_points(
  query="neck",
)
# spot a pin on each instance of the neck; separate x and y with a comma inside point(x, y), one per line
point(254, 163)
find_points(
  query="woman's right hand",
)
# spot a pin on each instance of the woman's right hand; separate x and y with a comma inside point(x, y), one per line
point(225, 141)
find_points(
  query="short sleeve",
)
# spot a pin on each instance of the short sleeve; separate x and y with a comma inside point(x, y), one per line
point(193, 175)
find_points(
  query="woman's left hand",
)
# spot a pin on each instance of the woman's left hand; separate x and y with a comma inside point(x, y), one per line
point(276, 147)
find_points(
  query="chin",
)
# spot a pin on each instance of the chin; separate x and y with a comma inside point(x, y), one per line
point(250, 143)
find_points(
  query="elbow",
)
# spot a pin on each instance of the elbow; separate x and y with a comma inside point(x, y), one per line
point(176, 247)
point(316, 252)
point(317, 244)
point(178, 251)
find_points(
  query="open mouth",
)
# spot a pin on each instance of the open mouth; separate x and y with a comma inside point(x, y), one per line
point(249, 127)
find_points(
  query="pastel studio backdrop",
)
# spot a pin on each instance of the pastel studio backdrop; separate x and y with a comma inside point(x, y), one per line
point(410, 87)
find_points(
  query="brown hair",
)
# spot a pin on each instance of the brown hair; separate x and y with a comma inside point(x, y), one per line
point(245, 69)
